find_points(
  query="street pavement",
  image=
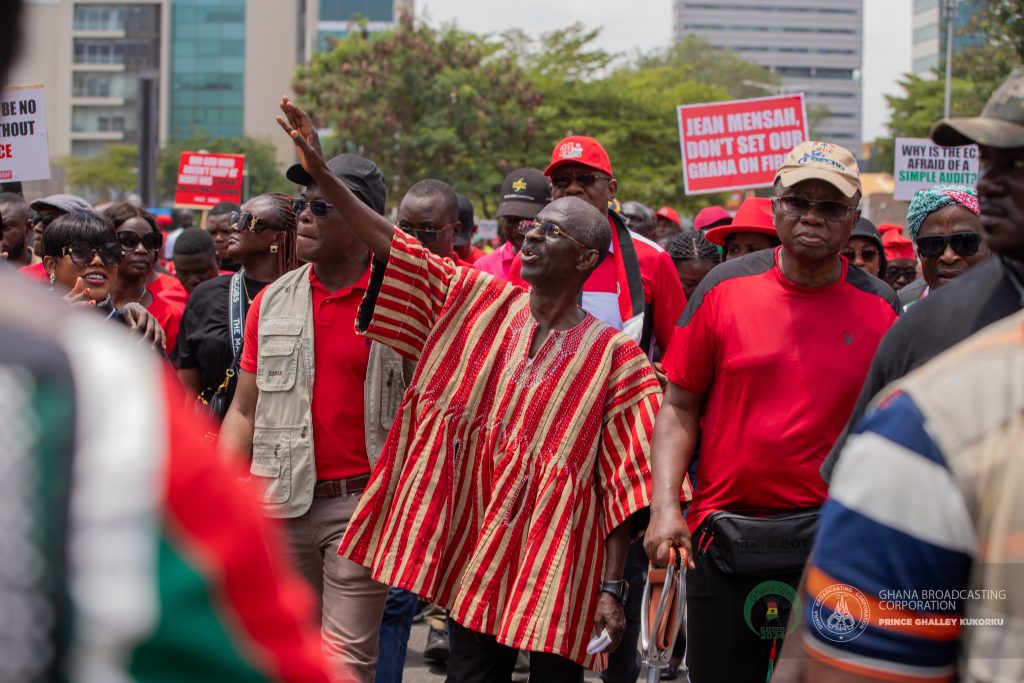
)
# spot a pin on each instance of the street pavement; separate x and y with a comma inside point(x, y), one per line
point(418, 670)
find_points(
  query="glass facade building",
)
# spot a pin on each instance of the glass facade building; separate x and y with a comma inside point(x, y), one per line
point(112, 44)
point(335, 16)
point(207, 68)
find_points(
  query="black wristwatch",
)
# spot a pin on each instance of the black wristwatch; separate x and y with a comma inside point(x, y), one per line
point(619, 589)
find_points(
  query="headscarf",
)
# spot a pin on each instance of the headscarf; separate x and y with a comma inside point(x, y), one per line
point(927, 202)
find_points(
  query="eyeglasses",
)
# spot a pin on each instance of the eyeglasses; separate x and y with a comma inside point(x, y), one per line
point(896, 274)
point(963, 243)
point(317, 207)
point(44, 218)
point(246, 221)
point(83, 254)
point(152, 241)
point(548, 229)
point(582, 179)
point(512, 223)
point(867, 253)
point(798, 206)
point(425, 233)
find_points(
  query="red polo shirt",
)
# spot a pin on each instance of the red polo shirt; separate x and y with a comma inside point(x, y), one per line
point(36, 272)
point(170, 289)
point(781, 367)
point(340, 357)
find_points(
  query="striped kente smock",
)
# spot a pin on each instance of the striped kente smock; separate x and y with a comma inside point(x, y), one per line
point(502, 475)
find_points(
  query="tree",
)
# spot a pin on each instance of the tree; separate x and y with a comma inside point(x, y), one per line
point(107, 176)
point(992, 46)
point(916, 111)
point(265, 174)
point(424, 103)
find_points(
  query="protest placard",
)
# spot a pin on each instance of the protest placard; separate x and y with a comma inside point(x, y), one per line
point(921, 164)
point(24, 147)
point(205, 179)
point(738, 144)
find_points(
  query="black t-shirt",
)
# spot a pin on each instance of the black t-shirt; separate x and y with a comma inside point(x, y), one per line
point(985, 294)
point(204, 337)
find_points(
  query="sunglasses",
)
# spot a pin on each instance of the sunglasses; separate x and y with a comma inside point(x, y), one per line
point(798, 206)
point(317, 207)
point(908, 274)
point(83, 254)
point(426, 234)
point(868, 253)
point(152, 241)
point(44, 218)
point(582, 179)
point(963, 243)
point(246, 221)
point(548, 229)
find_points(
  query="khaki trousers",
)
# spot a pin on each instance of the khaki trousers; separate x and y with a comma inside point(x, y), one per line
point(351, 602)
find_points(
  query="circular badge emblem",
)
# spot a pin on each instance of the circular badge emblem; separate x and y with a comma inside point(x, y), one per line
point(840, 613)
point(767, 608)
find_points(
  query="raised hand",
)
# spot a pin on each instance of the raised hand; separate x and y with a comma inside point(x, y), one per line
point(79, 296)
point(303, 133)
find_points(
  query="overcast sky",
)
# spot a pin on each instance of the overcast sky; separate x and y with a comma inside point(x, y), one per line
point(648, 23)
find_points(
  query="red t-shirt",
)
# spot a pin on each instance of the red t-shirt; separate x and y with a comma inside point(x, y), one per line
point(340, 357)
point(782, 366)
point(169, 318)
point(170, 289)
point(36, 272)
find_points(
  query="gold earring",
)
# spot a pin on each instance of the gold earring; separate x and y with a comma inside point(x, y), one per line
point(53, 279)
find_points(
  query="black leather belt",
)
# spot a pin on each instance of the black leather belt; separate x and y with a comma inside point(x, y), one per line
point(340, 487)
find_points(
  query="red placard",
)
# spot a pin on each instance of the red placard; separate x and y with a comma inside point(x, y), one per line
point(205, 179)
point(738, 144)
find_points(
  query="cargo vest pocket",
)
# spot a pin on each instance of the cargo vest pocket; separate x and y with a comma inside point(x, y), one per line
point(278, 364)
point(272, 466)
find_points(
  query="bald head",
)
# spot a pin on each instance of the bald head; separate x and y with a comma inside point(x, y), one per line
point(581, 220)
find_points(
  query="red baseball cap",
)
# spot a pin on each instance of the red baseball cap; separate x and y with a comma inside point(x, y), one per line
point(669, 213)
point(754, 215)
point(896, 245)
point(710, 216)
point(579, 149)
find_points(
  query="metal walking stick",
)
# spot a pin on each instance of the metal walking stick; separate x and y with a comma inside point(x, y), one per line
point(661, 612)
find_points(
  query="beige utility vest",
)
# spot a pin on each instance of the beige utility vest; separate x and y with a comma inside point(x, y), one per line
point(282, 444)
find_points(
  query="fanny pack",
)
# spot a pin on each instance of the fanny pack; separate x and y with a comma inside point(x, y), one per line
point(741, 545)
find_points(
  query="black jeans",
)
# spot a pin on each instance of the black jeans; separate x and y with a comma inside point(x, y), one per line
point(733, 622)
point(479, 658)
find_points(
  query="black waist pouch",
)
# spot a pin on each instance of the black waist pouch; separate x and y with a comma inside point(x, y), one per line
point(749, 546)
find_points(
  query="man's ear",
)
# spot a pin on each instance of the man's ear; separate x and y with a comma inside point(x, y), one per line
point(613, 187)
point(587, 260)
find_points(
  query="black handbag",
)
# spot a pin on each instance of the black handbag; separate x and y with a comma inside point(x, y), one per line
point(741, 545)
point(217, 404)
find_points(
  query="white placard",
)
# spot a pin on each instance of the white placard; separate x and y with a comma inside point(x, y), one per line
point(24, 147)
point(921, 164)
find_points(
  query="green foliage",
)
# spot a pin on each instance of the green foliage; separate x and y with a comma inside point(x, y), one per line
point(979, 67)
point(918, 109)
point(107, 176)
point(265, 174)
point(443, 103)
point(424, 103)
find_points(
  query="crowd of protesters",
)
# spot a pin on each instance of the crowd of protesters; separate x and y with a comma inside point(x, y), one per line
point(284, 433)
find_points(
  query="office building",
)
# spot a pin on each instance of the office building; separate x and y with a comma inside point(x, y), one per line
point(222, 65)
point(814, 46)
point(929, 27)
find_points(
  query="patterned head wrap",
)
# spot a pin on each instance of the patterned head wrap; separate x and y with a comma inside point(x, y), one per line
point(927, 202)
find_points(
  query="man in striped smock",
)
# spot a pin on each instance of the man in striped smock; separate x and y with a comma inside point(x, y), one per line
point(506, 488)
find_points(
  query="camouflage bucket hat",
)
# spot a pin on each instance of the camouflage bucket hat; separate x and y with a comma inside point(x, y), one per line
point(1001, 123)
